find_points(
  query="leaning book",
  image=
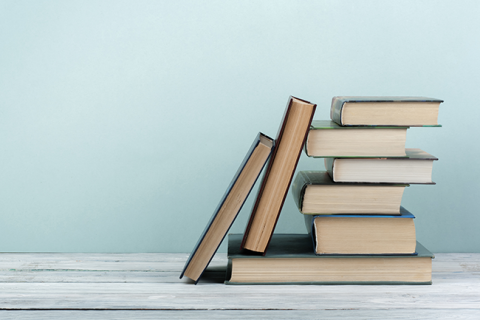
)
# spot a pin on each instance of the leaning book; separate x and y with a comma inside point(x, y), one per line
point(279, 174)
point(229, 207)
point(290, 259)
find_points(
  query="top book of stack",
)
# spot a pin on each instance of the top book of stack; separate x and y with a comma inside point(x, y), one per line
point(385, 111)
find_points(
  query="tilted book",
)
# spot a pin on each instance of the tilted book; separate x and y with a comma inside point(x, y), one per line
point(290, 259)
point(314, 193)
point(276, 181)
point(385, 111)
point(362, 234)
point(229, 207)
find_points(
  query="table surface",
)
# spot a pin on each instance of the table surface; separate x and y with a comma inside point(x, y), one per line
point(147, 286)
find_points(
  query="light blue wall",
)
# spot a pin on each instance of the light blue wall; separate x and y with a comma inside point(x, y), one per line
point(122, 122)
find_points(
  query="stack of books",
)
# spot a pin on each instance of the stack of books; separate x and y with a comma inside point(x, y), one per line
point(358, 233)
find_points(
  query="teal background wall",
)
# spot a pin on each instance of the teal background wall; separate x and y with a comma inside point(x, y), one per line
point(122, 122)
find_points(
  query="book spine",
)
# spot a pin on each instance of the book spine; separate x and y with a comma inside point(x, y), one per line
point(310, 225)
point(305, 145)
point(298, 189)
point(336, 111)
point(329, 167)
point(228, 273)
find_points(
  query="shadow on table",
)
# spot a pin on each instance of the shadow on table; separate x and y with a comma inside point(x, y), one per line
point(214, 274)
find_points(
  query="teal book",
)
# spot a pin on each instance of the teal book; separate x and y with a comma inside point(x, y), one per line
point(290, 259)
point(363, 234)
point(328, 139)
point(229, 206)
point(385, 111)
point(415, 168)
point(315, 193)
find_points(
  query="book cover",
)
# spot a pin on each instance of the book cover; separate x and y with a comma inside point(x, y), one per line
point(279, 174)
point(303, 179)
point(295, 248)
point(327, 139)
point(311, 229)
point(247, 174)
point(412, 154)
point(338, 103)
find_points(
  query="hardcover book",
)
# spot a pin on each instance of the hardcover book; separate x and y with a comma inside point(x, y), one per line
point(314, 192)
point(385, 111)
point(362, 234)
point(278, 176)
point(291, 260)
point(228, 208)
point(416, 168)
point(328, 139)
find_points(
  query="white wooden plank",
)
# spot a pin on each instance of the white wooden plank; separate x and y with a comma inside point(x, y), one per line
point(214, 296)
point(158, 267)
point(103, 277)
point(215, 276)
point(150, 281)
point(426, 314)
point(94, 262)
point(168, 261)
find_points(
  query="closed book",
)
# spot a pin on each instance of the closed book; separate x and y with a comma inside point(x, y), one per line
point(227, 210)
point(385, 111)
point(290, 259)
point(328, 139)
point(315, 193)
point(278, 176)
point(415, 168)
point(362, 234)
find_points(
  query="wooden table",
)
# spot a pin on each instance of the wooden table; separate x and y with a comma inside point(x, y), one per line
point(146, 286)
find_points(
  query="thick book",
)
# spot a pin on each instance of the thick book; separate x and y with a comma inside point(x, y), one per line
point(315, 193)
point(278, 176)
point(328, 139)
point(229, 207)
point(415, 168)
point(291, 260)
point(385, 111)
point(362, 234)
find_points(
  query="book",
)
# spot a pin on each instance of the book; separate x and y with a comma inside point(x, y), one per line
point(278, 176)
point(416, 168)
point(291, 260)
point(328, 139)
point(385, 111)
point(230, 205)
point(362, 234)
point(314, 192)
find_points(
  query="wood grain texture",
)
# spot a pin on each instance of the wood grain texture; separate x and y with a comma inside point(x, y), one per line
point(241, 314)
point(107, 286)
